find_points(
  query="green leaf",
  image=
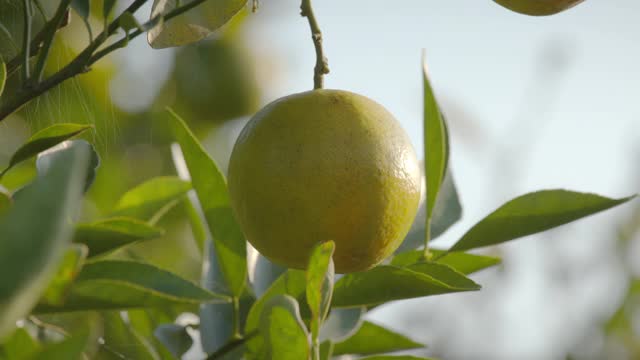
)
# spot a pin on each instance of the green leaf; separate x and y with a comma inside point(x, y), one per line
point(320, 275)
point(108, 7)
point(463, 262)
point(3, 74)
point(43, 140)
point(68, 270)
point(70, 348)
point(532, 213)
point(374, 339)
point(448, 209)
point(394, 357)
point(111, 234)
point(145, 321)
point(118, 284)
point(326, 350)
point(342, 323)
point(211, 188)
point(35, 233)
point(435, 145)
point(175, 338)
point(444, 273)
point(198, 230)
point(5, 200)
point(18, 345)
point(43, 162)
point(293, 283)
point(193, 25)
point(82, 7)
point(387, 283)
point(146, 199)
point(446, 212)
point(128, 22)
point(122, 341)
point(285, 335)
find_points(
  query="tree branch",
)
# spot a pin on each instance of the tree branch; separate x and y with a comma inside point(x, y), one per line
point(48, 40)
point(86, 58)
point(322, 64)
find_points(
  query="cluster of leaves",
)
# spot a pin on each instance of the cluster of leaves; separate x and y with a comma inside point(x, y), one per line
point(171, 23)
point(252, 309)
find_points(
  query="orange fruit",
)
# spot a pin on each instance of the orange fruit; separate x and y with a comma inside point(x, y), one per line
point(538, 7)
point(324, 165)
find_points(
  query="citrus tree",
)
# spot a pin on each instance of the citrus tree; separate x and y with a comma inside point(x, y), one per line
point(324, 184)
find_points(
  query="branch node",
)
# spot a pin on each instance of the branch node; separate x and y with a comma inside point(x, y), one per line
point(321, 68)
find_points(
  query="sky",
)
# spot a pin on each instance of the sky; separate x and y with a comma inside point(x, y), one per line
point(532, 103)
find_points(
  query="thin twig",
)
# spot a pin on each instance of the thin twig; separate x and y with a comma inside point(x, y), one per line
point(426, 254)
point(48, 40)
point(230, 346)
point(322, 64)
point(36, 44)
point(40, 10)
point(236, 317)
point(26, 38)
point(132, 35)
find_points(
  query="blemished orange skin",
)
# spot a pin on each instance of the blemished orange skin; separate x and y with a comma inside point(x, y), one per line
point(538, 7)
point(324, 165)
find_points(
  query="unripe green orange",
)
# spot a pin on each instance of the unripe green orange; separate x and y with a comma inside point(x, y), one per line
point(538, 7)
point(324, 165)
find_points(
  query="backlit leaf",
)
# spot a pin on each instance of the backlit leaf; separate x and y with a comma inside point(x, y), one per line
point(463, 262)
point(111, 234)
point(211, 188)
point(146, 199)
point(533, 213)
point(445, 274)
point(118, 284)
point(435, 144)
point(43, 140)
point(320, 274)
point(293, 283)
point(373, 339)
point(284, 332)
point(193, 25)
point(387, 283)
point(68, 269)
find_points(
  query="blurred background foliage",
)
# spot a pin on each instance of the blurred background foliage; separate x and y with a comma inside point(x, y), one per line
point(216, 85)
